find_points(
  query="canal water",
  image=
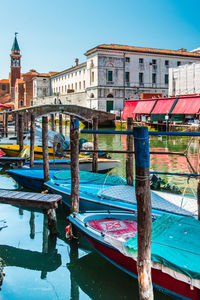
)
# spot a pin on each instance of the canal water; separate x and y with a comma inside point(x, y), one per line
point(38, 268)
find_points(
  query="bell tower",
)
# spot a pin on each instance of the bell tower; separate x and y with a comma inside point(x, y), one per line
point(15, 66)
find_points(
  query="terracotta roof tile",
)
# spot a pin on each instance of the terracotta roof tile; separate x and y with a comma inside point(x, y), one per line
point(4, 80)
point(142, 49)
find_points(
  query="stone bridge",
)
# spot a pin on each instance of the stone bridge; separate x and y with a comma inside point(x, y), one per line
point(80, 112)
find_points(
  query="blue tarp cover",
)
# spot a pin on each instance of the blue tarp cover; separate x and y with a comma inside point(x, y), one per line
point(175, 244)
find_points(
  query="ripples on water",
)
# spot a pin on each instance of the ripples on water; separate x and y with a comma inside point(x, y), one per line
point(40, 269)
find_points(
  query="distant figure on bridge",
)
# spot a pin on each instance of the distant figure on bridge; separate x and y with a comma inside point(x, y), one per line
point(59, 101)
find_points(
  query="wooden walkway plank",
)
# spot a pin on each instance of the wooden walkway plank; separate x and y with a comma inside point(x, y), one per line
point(47, 202)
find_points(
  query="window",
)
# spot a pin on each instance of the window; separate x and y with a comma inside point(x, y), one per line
point(44, 91)
point(65, 88)
point(68, 86)
point(127, 75)
point(72, 75)
point(141, 60)
point(76, 74)
point(141, 78)
point(84, 84)
point(127, 59)
point(76, 86)
point(59, 89)
point(3, 87)
point(62, 89)
point(153, 78)
point(92, 77)
point(178, 63)
point(154, 61)
point(166, 78)
point(21, 103)
point(72, 86)
point(79, 85)
point(166, 63)
point(110, 76)
point(79, 72)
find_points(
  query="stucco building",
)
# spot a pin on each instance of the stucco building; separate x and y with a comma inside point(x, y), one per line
point(114, 73)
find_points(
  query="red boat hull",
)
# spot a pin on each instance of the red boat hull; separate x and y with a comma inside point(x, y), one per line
point(164, 282)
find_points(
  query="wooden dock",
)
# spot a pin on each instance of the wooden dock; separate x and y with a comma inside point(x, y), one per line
point(47, 202)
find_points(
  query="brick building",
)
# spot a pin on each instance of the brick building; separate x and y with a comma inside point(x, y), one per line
point(18, 89)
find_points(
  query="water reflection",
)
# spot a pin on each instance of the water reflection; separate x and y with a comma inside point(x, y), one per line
point(99, 279)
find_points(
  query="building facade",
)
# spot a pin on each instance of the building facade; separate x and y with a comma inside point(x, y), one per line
point(184, 80)
point(17, 91)
point(115, 73)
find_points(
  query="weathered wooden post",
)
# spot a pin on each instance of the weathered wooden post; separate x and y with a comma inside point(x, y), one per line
point(3, 122)
point(32, 140)
point(16, 125)
point(95, 145)
point(52, 122)
point(144, 219)
point(198, 184)
point(60, 124)
point(6, 124)
point(74, 155)
point(129, 156)
point(45, 148)
point(21, 132)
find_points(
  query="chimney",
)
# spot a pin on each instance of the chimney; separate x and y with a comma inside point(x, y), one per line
point(182, 50)
point(76, 62)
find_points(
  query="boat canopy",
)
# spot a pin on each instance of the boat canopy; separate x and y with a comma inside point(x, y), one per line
point(175, 243)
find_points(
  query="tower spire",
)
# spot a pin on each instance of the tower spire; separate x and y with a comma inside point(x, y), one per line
point(15, 46)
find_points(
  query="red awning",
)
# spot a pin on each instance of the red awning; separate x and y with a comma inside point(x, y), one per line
point(129, 108)
point(144, 107)
point(187, 106)
point(4, 106)
point(163, 106)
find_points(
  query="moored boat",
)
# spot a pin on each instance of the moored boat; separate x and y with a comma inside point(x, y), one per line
point(174, 252)
point(101, 191)
point(85, 164)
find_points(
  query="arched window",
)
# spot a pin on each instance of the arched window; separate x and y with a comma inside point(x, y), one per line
point(91, 95)
point(110, 95)
point(21, 102)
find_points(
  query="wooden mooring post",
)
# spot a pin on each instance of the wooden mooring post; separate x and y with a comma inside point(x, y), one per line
point(52, 122)
point(16, 125)
point(144, 218)
point(74, 155)
point(20, 132)
point(60, 124)
point(95, 145)
point(45, 148)
point(32, 140)
point(6, 124)
point(129, 156)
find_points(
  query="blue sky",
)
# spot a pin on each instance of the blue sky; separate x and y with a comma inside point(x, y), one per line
point(53, 33)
